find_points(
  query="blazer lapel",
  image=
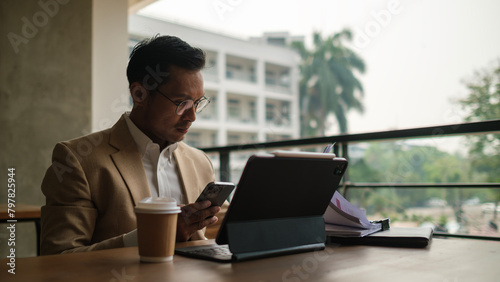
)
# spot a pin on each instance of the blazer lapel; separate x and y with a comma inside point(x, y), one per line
point(128, 161)
point(186, 167)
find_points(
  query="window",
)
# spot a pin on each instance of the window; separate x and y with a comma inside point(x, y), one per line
point(233, 139)
point(270, 108)
point(233, 108)
point(280, 41)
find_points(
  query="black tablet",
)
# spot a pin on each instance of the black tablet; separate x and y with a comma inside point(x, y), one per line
point(283, 185)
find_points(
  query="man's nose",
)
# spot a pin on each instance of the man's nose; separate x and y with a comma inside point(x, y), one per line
point(189, 114)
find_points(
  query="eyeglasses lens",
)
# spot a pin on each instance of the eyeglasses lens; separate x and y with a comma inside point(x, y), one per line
point(184, 106)
point(188, 104)
point(202, 104)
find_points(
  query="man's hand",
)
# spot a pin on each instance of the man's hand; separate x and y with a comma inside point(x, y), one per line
point(194, 217)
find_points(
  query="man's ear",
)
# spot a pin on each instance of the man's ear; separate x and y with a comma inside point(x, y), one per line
point(139, 93)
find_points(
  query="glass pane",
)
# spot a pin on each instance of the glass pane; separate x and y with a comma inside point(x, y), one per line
point(468, 211)
point(430, 160)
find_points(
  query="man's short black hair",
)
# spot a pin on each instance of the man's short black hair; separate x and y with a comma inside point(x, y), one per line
point(151, 59)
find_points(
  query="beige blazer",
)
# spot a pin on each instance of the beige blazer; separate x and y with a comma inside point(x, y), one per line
point(94, 183)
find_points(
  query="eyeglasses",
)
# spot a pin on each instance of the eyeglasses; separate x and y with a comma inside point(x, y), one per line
point(188, 104)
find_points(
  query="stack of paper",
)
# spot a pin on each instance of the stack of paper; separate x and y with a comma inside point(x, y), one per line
point(346, 220)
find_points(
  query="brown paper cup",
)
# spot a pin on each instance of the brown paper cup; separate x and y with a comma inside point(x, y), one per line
point(156, 228)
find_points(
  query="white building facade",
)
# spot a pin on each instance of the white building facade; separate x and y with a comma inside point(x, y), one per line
point(253, 86)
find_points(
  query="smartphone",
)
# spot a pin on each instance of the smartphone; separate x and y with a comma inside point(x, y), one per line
point(216, 192)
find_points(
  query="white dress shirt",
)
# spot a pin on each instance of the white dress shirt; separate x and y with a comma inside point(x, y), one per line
point(160, 167)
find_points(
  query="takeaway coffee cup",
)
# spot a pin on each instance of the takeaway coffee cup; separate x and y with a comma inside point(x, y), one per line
point(156, 228)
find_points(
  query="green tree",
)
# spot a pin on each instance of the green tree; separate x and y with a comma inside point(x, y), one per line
point(328, 84)
point(402, 162)
point(483, 103)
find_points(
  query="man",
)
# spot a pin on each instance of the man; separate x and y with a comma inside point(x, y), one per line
point(95, 181)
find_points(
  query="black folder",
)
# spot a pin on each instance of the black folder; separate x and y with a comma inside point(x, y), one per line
point(408, 237)
point(278, 206)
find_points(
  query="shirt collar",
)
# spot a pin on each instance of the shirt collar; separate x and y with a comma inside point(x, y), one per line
point(169, 151)
point(143, 141)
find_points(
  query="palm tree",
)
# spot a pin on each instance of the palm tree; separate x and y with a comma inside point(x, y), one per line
point(328, 84)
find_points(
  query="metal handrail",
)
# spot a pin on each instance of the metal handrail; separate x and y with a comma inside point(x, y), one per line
point(490, 126)
point(423, 185)
point(343, 141)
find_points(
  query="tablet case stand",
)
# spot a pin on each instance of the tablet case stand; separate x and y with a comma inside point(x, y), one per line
point(275, 236)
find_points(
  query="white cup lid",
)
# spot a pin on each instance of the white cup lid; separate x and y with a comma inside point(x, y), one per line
point(161, 205)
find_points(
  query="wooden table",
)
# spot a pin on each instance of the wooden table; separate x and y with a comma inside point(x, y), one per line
point(23, 213)
point(453, 260)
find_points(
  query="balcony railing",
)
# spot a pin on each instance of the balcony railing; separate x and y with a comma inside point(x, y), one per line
point(278, 88)
point(341, 148)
